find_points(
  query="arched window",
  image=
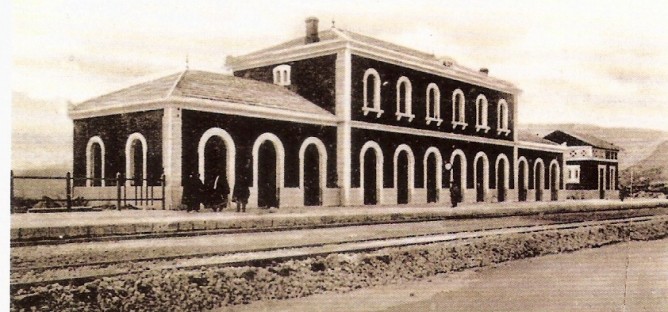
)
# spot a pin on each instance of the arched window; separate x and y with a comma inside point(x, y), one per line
point(481, 113)
point(135, 160)
point(282, 75)
point(502, 120)
point(433, 104)
point(458, 109)
point(371, 89)
point(95, 162)
point(404, 95)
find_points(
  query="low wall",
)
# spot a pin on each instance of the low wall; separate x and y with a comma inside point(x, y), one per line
point(206, 288)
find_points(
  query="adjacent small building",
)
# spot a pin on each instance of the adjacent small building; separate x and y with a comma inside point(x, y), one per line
point(333, 118)
point(592, 166)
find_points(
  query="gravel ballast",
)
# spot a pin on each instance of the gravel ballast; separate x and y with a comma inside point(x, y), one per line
point(206, 288)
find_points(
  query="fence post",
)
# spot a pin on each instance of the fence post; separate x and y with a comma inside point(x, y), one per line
point(118, 191)
point(68, 185)
point(11, 191)
point(162, 182)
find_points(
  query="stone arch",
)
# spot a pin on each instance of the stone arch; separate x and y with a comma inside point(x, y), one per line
point(322, 165)
point(129, 156)
point(230, 149)
point(280, 162)
point(523, 183)
point(555, 179)
point(502, 193)
point(411, 169)
point(379, 168)
point(463, 167)
point(90, 161)
point(439, 171)
point(481, 186)
point(539, 178)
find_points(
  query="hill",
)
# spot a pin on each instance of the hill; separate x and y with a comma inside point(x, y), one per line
point(637, 145)
point(653, 168)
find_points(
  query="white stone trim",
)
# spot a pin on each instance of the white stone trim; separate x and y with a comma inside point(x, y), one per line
point(407, 112)
point(90, 166)
point(129, 159)
point(558, 173)
point(282, 75)
point(458, 119)
point(613, 179)
point(433, 111)
point(379, 169)
point(205, 105)
point(502, 118)
point(376, 93)
point(429, 133)
point(439, 169)
point(481, 113)
point(280, 158)
point(536, 183)
point(523, 159)
point(463, 173)
point(506, 172)
point(322, 165)
point(230, 149)
point(485, 172)
point(411, 169)
point(343, 99)
point(541, 146)
point(598, 177)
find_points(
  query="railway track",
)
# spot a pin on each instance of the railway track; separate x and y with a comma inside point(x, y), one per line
point(81, 273)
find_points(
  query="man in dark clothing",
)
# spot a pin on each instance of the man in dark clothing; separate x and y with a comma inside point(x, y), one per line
point(455, 195)
point(192, 192)
point(241, 193)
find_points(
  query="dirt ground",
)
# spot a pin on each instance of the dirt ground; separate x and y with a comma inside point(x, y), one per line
point(623, 277)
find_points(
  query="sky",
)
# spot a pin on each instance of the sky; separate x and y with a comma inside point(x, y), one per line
point(595, 62)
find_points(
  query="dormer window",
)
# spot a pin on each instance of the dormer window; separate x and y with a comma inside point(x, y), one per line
point(282, 75)
point(404, 95)
point(371, 92)
point(502, 118)
point(458, 109)
point(433, 104)
point(481, 114)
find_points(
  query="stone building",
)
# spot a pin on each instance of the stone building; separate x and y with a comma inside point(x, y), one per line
point(591, 165)
point(334, 118)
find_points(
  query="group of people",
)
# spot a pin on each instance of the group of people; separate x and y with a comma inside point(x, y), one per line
point(214, 193)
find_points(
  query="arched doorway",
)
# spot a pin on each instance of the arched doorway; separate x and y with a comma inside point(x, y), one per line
point(432, 183)
point(312, 191)
point(539, 172)
point(137, 174)
point(554, 182)
point(96, 162)
point(458, 172)
point(370, 177)
point(215, 161)
point(522, 179)
point(501, 178)
point(402, 178)
point(267, 187)
point(481, 168)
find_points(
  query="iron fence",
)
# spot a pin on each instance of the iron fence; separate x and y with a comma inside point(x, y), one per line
point(135, 191)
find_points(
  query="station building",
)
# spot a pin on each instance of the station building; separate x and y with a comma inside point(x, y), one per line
point(591, 165)
point(333, 118)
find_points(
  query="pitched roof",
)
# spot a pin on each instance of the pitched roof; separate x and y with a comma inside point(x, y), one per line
point(195, 84)
point(533, 137)
point(586, 139)
point(341, 35)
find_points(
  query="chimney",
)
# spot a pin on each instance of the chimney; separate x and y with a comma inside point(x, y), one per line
point(311, 30)
point(485, 71)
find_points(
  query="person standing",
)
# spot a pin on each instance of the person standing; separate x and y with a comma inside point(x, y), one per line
point(455, 195)
point(192, 188)
point(241, 191)
point(219, 193)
